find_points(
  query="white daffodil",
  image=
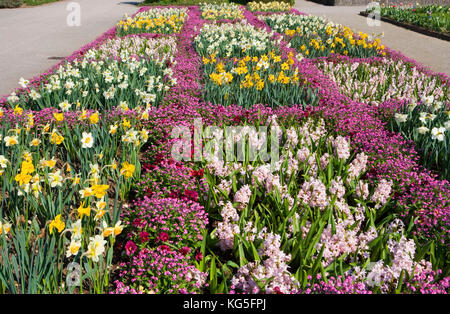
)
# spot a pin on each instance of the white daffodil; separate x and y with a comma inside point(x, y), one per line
point(65, 106)
point(23, 82)
point(73, 248)
point(11, 140)
point(95, 168)
point(76, 230)
point(86, 192)
point(447, 125)
point(113, 128)
point(34, 95)
point(423, 129)
point(96, 247)
point(438, 134)
point(3, 162)
point(87, 141)
point(437, 105)
point(55, 179)
point(400, 118)
point(13, 98)
point(123, 105)
point(428, 100)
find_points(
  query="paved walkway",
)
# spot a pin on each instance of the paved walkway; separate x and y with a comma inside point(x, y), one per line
point(429, 51)
point(30, 36)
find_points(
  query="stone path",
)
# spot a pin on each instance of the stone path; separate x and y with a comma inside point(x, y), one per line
point(429, 51)
point(30, 36)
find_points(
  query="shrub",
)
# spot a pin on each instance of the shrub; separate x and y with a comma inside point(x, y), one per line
point(10, 3)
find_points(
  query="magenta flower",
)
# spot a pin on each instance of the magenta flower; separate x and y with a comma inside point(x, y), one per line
point(185, 250)
point(144, 236)
point(163, 237)
point(130, 248)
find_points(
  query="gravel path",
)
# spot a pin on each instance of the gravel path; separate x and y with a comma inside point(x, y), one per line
point(30, 36)
point(430, 51)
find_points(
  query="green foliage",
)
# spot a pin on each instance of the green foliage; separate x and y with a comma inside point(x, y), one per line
point(433, 17)
point(427, 124)
point(10, 3)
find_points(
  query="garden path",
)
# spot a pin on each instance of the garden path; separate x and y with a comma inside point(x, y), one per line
point(429, 51)
point(30, 36)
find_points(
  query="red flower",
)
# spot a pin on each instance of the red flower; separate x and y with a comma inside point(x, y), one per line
point(148, 167)
point(198, 256)
point(197, 174)
point(277, 290)
point(184, 250)
point(163, 237)
point(144, 236)
point(174, 194)
point(191, 195)
point(164, 248)
point(137, 222)
point(130, 248)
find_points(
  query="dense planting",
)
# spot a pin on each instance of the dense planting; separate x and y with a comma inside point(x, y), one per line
point(432, 17)
point(207, 152)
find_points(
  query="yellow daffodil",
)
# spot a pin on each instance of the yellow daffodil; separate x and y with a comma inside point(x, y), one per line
point(99, 190)
point(23, 178)
point(84, 211)
point(57, 223)
point(59, 117)
point(94, 118)
point(127, 169)
point(18, 111)
point(35, 142)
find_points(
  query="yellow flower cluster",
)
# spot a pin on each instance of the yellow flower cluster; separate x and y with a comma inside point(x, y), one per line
point(223, 11)
point(161, 24)
point(46, 170)
point(254, 72)
point(274, 6)
point(337, 37)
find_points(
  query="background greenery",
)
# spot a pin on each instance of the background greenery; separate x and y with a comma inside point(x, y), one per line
point(10, 3)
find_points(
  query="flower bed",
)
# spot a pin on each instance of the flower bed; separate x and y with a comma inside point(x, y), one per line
point(157, 20)
point(261, 76)
point(222, 11)
point(430, 17)
point(273, 6)
point(315, 37)
point(345, 208)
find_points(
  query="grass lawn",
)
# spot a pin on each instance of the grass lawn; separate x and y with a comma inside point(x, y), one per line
point(38, 2)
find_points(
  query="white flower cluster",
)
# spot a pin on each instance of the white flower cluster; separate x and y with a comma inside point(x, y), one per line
point(229, 39)
point(385, 80)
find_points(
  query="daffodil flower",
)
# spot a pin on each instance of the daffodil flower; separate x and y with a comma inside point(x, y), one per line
point(57, 223)
point(96, 247)
point(73, 248)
